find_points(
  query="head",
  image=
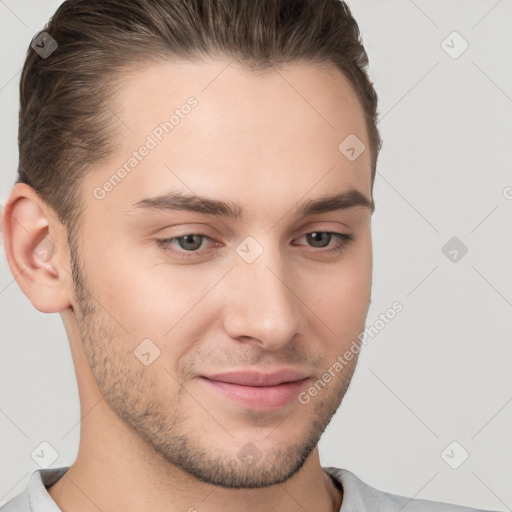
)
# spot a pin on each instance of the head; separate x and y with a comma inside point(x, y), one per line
point(199, 175)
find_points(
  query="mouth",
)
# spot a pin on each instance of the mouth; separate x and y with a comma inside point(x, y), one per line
point(257, 390)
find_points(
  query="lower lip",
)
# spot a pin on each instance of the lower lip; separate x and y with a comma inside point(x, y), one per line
point(259, 397)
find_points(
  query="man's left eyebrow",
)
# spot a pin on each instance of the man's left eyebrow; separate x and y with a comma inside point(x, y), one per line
point(341, 201)
point(178, 201)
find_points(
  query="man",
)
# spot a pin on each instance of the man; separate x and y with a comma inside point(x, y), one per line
point(194, 198)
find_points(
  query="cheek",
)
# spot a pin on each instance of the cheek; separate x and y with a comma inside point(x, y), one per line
point(124, 288)
point(149, 299)
point(340, 295)
point(155, 300)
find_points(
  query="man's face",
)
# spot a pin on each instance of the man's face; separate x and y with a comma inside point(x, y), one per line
point(268, 290)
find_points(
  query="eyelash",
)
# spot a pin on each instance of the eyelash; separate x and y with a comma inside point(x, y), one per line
point(344, 240)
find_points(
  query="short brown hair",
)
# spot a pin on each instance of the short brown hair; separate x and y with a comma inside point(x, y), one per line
point(65, 122)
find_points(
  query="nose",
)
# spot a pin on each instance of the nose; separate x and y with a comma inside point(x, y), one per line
point(261, 306)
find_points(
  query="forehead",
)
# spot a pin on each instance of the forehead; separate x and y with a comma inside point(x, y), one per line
point(214, 128)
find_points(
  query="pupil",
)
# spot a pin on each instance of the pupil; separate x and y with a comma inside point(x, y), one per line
point(317, 237)
point(189, 239)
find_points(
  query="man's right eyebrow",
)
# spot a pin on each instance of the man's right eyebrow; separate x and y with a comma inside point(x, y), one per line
point(175, 201)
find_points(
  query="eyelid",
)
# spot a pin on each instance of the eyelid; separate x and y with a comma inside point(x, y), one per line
point(183, 229)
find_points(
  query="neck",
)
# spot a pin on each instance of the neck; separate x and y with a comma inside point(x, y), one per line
point(116, 470)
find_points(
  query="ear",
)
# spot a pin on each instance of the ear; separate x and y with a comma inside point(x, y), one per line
point(37, 251)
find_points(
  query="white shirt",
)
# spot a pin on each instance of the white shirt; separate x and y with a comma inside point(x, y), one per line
point(357, 496)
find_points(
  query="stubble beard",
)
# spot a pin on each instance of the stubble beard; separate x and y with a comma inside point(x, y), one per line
point(169, 428)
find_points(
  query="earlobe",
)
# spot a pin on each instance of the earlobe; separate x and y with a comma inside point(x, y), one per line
point(32, 236)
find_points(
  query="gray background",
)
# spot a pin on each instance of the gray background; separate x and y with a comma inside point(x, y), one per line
point(440, 371)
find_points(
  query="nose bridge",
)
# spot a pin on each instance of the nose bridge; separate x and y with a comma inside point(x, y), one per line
point(261, 304)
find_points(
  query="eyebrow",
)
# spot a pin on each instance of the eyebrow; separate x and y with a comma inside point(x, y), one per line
point(174, 201)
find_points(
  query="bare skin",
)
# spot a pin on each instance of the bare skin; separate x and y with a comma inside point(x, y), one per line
point(158, 436)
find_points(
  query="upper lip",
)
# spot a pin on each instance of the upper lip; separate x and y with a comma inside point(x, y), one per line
point(258, 378)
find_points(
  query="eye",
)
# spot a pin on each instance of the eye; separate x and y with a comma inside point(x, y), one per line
point(321, 239)
point(189, 244)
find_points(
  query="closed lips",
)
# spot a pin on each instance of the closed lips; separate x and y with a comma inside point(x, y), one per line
point(258, 379)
